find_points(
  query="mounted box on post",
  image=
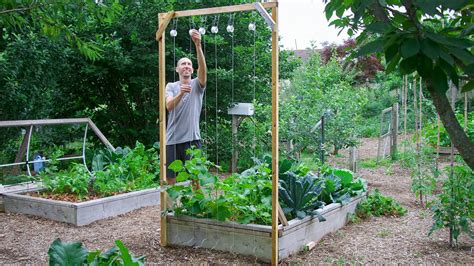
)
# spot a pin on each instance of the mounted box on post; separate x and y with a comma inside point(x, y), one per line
point(241, 109)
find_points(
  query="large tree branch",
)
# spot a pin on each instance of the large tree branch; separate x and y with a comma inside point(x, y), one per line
point(15, 10)
point(456, 133)
point(20, 9)
point(411, 13)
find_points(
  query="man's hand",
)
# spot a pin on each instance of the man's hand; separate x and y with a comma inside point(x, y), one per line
point(185, 88)
point(196, 37)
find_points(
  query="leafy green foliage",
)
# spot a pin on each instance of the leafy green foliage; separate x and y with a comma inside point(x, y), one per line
point(317, 90)
point(72, 181)
point(245, 198)
point(454, 207)
point(421, 162)
point(66, 253)
point(430, 131)
point(102, 65)
point(61, 253)
point(434, 48)
point(55, 19)
point(6, 179)
point(299, 195)
point(113, 172)
point(340, 185)
point(433, 38)
point(377, 204)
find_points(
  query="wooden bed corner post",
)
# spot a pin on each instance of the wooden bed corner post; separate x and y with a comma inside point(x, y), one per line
point(275, 141)
point(162, 130)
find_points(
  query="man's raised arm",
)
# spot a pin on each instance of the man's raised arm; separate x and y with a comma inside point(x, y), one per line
point(202, 68)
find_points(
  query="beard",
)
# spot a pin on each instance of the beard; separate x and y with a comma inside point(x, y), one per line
point(186, 74)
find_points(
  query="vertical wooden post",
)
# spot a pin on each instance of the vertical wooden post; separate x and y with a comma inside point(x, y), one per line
point(322, 140)
point(21, 153)
point(415, 107)
point(394, 133)
point(275, 142)
point(379, 146)
point(437, 141)
point(405, 107)
point(162, 111)
point(353, 159)
point(420, 118)
point(235, 152)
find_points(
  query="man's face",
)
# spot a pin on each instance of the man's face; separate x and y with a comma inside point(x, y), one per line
point(184, 68)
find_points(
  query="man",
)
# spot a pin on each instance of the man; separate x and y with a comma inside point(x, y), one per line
point(184, 103)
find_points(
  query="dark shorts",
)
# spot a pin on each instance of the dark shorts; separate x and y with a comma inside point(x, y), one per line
point(178, 152)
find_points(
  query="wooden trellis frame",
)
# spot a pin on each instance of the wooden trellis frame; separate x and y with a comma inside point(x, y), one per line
point(272, 21)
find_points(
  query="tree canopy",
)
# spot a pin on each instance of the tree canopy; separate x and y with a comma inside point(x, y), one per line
point(432, 38)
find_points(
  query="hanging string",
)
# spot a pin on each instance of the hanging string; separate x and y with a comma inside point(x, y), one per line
point(202, 31)
point(254, 86)
point(191, 27)
point(214, 30)
point(231, 28)
point(254, 140)
point(173, 33)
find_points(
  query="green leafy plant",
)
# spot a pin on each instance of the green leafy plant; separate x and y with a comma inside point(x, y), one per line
point(73, 181)
point(299, 196)
point(421, 162)
point(340, 185)
point(113, 172)
point(377, 205)
point(430, 131)
point(61, 253)
point(246, 197)
point(242, 197)
point(454, 207)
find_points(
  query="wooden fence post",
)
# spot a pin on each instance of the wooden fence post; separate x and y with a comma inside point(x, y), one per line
point(394, 133)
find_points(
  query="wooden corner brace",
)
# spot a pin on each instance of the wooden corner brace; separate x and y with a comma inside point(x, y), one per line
point(268, 18)
point(163, 25)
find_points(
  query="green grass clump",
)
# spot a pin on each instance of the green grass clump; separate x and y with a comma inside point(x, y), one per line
point(372, 163)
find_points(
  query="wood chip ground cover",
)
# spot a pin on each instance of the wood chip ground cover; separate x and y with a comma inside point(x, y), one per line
point(25, 239)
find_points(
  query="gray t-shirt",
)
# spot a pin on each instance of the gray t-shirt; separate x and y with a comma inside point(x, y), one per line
point(183, 120)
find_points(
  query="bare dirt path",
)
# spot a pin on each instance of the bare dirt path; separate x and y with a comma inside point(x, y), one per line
point(26, 239)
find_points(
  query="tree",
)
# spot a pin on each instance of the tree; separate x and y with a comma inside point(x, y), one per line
point(61, 19)
point(430, 37)
point(366, 67)
point(320, 89)
point(47, 76)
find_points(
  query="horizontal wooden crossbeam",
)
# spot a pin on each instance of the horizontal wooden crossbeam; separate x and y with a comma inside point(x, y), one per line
point(220, 10)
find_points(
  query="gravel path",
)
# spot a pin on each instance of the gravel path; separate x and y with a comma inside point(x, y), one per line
point(25, 239)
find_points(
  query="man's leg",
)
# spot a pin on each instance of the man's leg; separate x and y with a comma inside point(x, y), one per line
point(170, 157)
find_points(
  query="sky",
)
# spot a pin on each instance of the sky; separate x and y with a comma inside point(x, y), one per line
point(303, 21)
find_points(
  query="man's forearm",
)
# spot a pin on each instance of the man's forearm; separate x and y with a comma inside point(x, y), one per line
point(202, 67)
point(171, 102)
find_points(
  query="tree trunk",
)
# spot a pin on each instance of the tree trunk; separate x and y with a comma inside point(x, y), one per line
point(453, 128)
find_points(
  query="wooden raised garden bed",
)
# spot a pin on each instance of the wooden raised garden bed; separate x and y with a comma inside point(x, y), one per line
point(255, 240)
point(82, 213)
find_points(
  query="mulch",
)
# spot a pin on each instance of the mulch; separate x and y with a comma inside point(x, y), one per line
point(25, 239)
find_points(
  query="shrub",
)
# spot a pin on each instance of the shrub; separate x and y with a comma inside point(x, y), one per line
point(377, 205)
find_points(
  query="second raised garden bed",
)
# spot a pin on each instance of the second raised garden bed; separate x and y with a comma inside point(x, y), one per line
point(82, 213)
